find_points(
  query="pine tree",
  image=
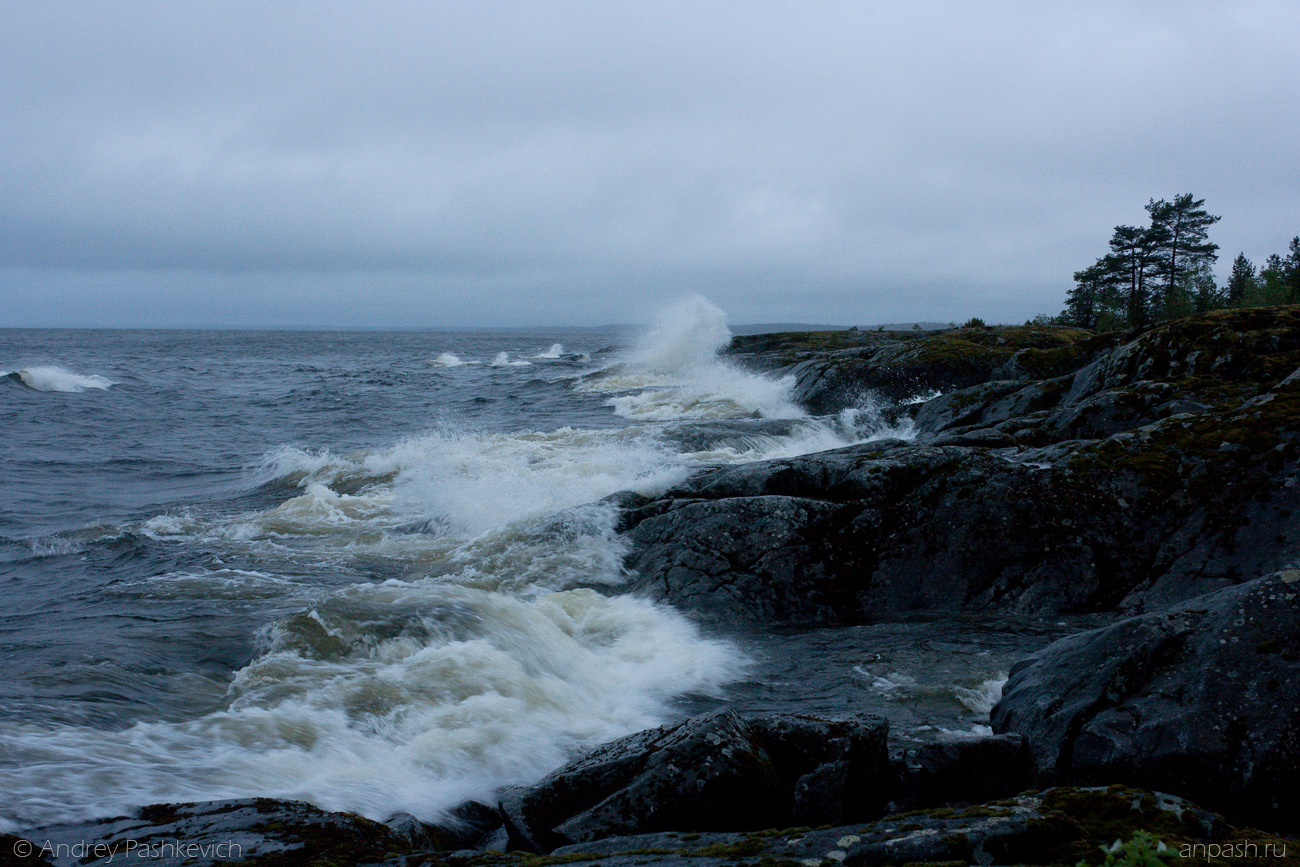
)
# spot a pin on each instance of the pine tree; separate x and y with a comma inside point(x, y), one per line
point(1241, 282)
point(1134, 260)
point(1272, 286)
point(1292, 272)
point(1181, 227)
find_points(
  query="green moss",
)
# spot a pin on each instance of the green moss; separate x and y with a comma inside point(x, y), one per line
point(750, 845)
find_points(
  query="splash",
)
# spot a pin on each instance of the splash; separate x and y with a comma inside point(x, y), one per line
point(54, 378)
point(674, 373)
point(448, 359)
point(503, 360)
point(556, 351)
point(409, 696)
point(493, 664)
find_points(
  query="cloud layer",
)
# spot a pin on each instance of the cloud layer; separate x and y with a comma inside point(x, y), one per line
point(481, 163)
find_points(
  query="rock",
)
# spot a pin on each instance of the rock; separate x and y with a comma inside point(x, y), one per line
point(1202, 701)
point(963, 772)
point(464, 827)
point(1158, 470)
point(712, 772)
point(215, 832)
point(20, 852)
point(839, 369)
point(1057, 826)
point(872, 529)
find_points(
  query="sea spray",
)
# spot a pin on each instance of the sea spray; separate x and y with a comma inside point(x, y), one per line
point(58, 379)
point(674, 372)
point(503, 360)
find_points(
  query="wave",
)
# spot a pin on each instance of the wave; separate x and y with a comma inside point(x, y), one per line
point(54, 378)
point(400, 696)
point(503, 360)
point(556, 351)
point(448, 359)
point(674, 372)
point(488, 657)
point(493, 663)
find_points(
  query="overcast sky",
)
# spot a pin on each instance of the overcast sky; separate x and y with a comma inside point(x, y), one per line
point(446, 164)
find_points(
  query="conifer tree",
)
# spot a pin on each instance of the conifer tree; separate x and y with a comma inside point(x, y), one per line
point(1182, 227)
point(1241, 282)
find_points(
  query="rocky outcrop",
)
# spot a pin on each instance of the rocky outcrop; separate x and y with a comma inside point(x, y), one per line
point(1202, 700)
point(257, 830)
point(1056, 826)
point(1161, 469)
point(716, 772)
point(837, 369)
point(963, 771)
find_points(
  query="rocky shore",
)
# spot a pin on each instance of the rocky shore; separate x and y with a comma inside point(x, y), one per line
point(1147, 478)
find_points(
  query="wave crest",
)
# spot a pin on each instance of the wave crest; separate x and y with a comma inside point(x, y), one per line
point(55, 378)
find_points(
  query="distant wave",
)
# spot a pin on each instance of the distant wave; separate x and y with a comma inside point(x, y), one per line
point(556, 351)
point(503, 360)
point(448, 359)
point(55, 378)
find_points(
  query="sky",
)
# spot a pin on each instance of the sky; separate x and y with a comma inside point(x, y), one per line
point(445, 164)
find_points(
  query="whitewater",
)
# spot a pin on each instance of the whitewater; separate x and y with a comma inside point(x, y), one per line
point(375, 572)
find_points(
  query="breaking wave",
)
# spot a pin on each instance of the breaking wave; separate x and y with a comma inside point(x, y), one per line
point(54, 378)
point(674, 373)
point(503, 360)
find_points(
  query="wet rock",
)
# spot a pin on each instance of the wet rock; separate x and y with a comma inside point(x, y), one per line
point(1158, 470)
point(465, 826)
point(963, 771)
point(871, 529)
point(21, 852)
point(215, 832)
point(1057, 826)
point(712, 772)
point(836, 370)
point(1202, 701)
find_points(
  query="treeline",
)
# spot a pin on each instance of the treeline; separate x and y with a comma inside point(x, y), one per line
point(1162, 271)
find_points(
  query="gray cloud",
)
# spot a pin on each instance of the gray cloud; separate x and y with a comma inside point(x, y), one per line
point(450, 164)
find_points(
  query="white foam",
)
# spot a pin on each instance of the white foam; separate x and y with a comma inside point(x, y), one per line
point(981, 698)
point(476, 691)
point(503, 360)
point(556, 351)
point(674, 373)
point(921, 397)
point(470, 482)
point(448, 359)
point(54, 378)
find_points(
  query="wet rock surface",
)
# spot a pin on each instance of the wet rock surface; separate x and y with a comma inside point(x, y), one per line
point(1056, 826)
point(1202, 700)
point(838, 368)
point(257, 830)
point(712, 772)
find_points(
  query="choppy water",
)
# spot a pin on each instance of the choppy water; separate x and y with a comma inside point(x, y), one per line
point(367, 570)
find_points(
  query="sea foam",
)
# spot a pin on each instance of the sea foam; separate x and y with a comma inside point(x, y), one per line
point(55, 378)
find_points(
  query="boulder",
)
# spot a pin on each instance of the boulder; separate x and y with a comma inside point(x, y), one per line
point(1202, 701)
point(963, 772)
point(219, 832)
point(711, 772)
